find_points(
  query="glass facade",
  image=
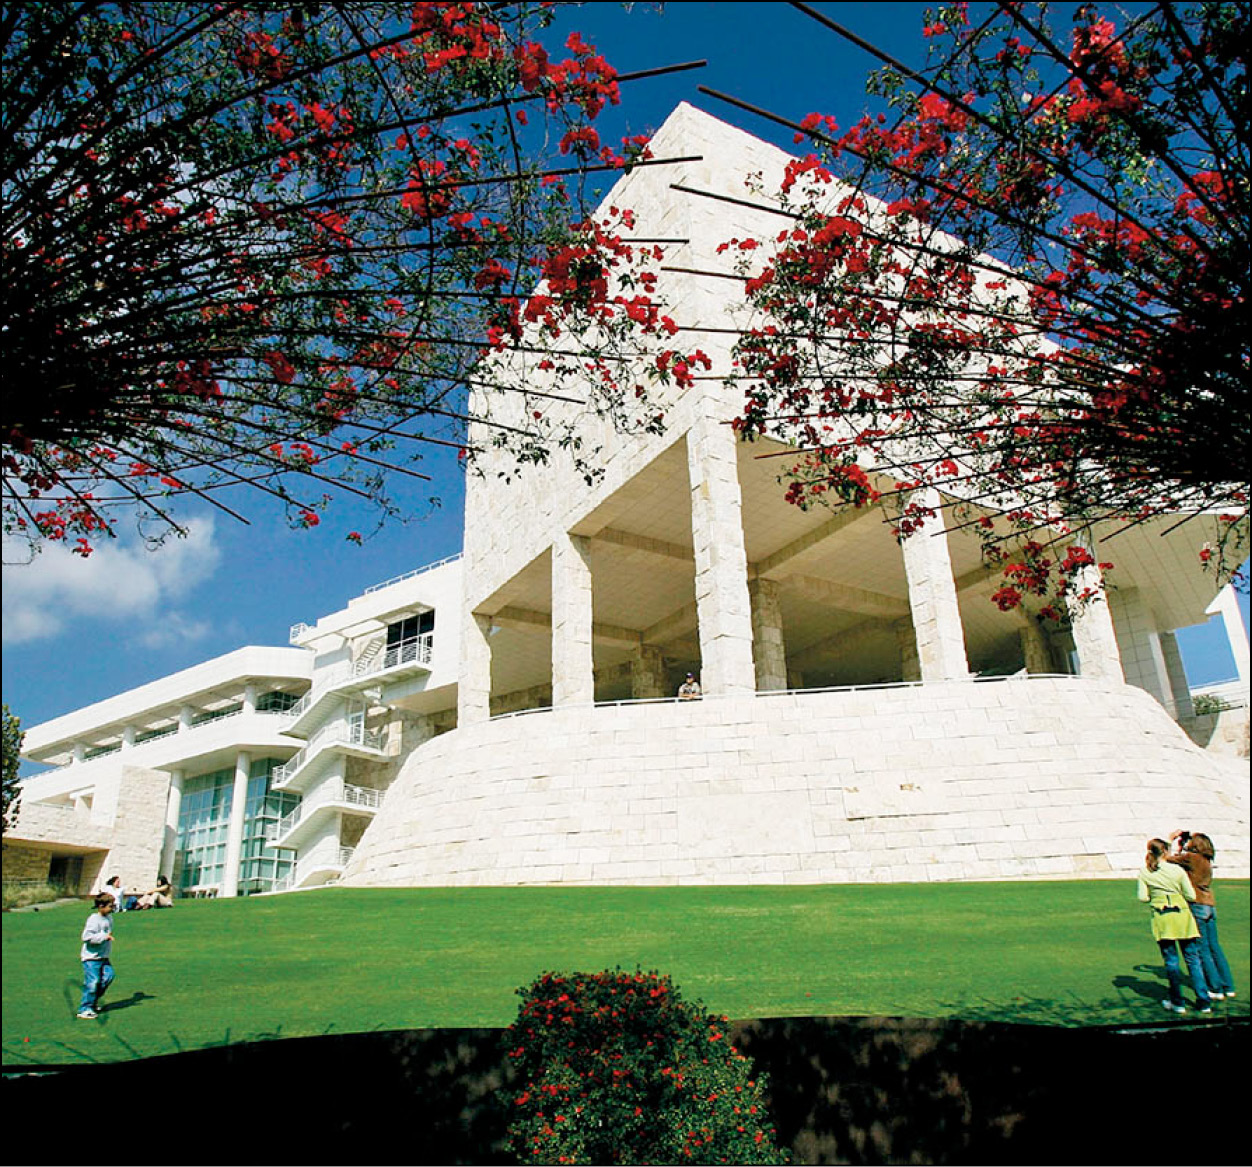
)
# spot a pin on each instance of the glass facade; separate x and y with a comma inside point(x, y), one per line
point(260, 865)
point(204, 822)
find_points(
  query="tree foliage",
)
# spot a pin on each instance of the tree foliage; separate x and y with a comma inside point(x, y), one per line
point(263, 248)
point(13, 737)
point(1027, 288)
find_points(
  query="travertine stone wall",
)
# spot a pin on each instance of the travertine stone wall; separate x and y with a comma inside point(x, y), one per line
point(1023, 778)
point(139, 828)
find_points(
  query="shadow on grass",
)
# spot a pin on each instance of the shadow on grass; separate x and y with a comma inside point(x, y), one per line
point(126, 1002)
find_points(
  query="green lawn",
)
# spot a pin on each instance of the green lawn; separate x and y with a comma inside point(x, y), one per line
point(337, 961)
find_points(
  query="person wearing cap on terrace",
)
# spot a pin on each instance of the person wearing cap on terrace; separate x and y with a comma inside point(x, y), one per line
point(689, 690)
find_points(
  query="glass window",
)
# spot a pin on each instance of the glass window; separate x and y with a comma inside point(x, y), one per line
point(204, 823)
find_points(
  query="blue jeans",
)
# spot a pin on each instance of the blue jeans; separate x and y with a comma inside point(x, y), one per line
point(1173, 970)
point(1216, 967)
point(97, 977)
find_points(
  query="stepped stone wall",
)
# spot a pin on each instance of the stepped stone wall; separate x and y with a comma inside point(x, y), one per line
point(1024, 778)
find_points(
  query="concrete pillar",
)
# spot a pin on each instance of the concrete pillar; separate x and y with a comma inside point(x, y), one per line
point(932, 596)
point(234, 830)
point(1138, 646)
point(647, 673)
point(80, 752)
point(173, 809)
point(769, 652)
point(1179, 690)
point(186, 715)
point(128, 736)
point(573, 679)
point(1095, 640)
point(249, 699)
point(1035, 653)
point(1226, 604)
point(473, 696)
point(722, 605)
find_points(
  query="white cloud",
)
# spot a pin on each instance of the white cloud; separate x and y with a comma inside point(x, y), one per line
point(59, 592)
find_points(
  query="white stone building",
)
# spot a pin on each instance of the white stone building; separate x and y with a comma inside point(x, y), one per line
point(509, 717)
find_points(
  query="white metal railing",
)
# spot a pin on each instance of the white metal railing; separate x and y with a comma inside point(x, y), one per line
point(297, 631)
point(767, 693)
point(378, 587)
point(351, 732)
point(328, 680)
point(416, 650)
point(376, 659)
point(338, 791)
point(316, 860)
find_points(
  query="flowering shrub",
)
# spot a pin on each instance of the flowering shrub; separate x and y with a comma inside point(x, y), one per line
point(615, 1067)
point(1024, 288)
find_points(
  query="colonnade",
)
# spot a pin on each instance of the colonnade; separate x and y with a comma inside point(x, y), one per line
point(738, 612)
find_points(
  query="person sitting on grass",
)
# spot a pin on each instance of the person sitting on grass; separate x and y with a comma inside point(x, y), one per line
point(161, 896)
point(97, 946)
point(1166, 888)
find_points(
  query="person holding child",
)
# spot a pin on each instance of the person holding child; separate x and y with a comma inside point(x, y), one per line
point(1168, 892)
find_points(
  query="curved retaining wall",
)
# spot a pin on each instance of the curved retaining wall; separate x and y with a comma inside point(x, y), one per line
point(1025, 778)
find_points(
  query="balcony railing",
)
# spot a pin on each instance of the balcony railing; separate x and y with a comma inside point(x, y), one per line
point(414, 651)
point(319, 860)
point(333, 793)
point(418, 650)
point(347, 733)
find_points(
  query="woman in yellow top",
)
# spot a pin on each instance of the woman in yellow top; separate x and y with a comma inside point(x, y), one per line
point(1168, 891)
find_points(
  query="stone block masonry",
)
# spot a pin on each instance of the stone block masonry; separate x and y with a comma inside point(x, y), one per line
point(1035, 778)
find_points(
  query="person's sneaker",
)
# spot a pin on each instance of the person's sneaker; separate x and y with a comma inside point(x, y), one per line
point(87, 1015)
point(1217, 996)
point(1230, 994)
point(1170, 1007)
point(1204, 1008)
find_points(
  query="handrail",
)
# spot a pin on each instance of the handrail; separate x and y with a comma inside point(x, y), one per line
point(332, 792)
point(378, 587)
point(351, 733)
point(878, 685)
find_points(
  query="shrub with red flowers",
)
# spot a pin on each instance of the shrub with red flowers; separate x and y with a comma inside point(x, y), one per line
point(228, 228)
point(1027, 286)
point(615, 1067)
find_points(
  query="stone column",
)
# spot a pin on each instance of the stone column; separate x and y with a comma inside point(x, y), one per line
point(769, 652)
point(722, 604)
point(647, 673)
point(1035, 652)
point(234, 831)
point(1095, 640)
point(473, 694)
point(173, 808)
point(1180, 691)
point(932, 596)
point(1226, 604)
point(128, 736)
point(573, 681)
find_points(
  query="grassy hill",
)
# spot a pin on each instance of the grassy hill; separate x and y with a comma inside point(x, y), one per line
point(336, 961)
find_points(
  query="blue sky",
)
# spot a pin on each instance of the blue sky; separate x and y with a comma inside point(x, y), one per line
point(77, 631)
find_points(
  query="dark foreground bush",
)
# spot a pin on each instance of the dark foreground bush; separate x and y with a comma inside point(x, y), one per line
point(615, 1067)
